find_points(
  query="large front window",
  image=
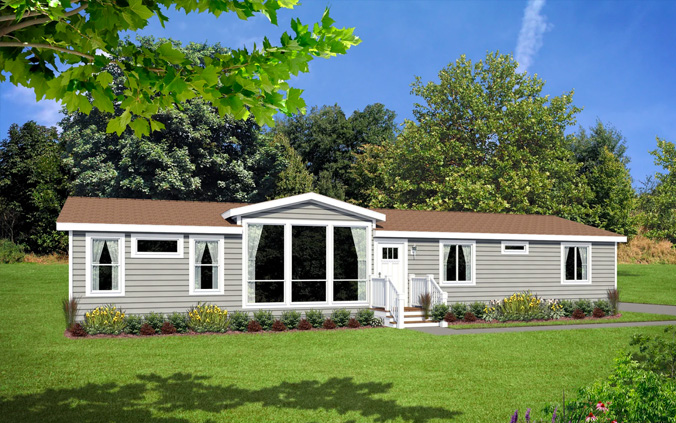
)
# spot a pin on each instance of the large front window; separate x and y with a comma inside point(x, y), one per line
point(457, 262)
point(289, 264)
point(576, 263)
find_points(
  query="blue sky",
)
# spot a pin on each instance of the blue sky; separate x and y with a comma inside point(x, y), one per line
point(618, 56)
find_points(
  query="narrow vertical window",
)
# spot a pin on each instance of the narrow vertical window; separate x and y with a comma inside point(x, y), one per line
point(265, 267)
point(206, 261)
point(576, 262)
point(105, 265)
point(349, 264)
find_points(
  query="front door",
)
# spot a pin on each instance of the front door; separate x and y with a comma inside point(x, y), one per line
point(391, 262)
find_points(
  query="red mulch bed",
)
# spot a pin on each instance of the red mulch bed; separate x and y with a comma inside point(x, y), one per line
point(478, 322)
point(230, 332)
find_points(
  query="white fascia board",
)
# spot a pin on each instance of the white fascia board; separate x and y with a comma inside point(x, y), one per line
point(496, 236)
point(301, 198)
point(174, 229)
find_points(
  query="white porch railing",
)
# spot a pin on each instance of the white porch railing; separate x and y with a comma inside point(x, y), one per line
point(426, 284)
point(385, 295)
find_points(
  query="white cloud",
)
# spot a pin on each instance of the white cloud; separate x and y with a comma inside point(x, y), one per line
point(533, 27)
point(44, 112)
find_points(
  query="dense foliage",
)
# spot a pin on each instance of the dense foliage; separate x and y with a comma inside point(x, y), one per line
point(657, 203)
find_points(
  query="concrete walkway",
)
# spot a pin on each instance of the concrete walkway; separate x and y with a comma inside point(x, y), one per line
point(648, 308)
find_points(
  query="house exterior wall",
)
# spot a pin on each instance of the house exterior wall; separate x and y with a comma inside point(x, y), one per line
point(307, 211)
point(499, 275)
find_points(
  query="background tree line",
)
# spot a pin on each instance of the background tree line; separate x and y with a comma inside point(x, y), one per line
point(484, 138)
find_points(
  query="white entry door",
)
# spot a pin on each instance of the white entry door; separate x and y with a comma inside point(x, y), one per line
point(391, 261)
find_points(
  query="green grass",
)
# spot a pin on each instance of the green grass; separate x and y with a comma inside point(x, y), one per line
point(627, 316)
point(647, 283)
point(370, 375)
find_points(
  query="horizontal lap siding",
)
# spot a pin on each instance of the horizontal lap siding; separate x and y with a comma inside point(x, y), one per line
point(499, 275)
point(308, 211)
point(160, 285)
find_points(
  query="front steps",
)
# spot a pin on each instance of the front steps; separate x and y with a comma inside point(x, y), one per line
point(413, 318)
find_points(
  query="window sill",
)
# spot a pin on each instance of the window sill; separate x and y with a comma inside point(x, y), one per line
point(576, 282)
point(206, 292)
point(104, 294)
point(295, 306)
point(457, 284)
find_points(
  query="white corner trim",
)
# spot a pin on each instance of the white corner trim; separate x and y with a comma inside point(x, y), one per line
point(587, 281)
point(524, 244)
point(88, 262)
point(518, 237)
point(443, 242)
point(615, 265)
point(70, 265)
point(301, 198)
point(178, 238)
point(221, 258)
point(113, 227)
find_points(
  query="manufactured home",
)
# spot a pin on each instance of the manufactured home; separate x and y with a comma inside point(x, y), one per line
point(313, 252)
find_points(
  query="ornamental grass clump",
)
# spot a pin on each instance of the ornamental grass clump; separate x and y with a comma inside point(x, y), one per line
point(207, 318)
point(425, 300)
point(106, 319)
point(613, 300)
point(69, 311)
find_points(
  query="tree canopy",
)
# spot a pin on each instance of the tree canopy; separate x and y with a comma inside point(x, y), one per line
point(61, 49)
point(658, 203)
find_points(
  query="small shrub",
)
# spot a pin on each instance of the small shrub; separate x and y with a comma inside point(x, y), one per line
point(315, 317)
point(147, 330)
point(377, 322)
point(353, 323)
point(304, 325)
point(568, 307)
point(11, 252)
point(425, 301)
point(254, 326)
point(77, 330)
point(578, 314)
point(469, 317)
point(656, 353)
point(69, 311)
point(450, 317)
point(603, 305)
point(585, 305)
point(278, 326)
point(614, 300)
point(478, 308)
point(207, 318)
point(459, 309)
point(264, 318)
point(155, 320)
point(133, 324)
point(291, 318)
point(106, 319)
point(439, 311)
point(329, 324)
point(180, 321)
point(340, 317)
point(598, 313)
point(239, 321)
point(167, 328)
point(364, 317)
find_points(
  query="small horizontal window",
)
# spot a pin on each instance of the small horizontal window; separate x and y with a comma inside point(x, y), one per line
point(514, 247)
point(156, 246)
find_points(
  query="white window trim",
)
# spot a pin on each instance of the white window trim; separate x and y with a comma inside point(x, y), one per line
point(89, 236)
point(444, 242)
point(515, 243)
point(288, 304)
point(587, 281)
point(221, 257)
point(157, 237)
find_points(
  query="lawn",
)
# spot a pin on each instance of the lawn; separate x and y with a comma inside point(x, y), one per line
point(647, 283)
point(372, 375)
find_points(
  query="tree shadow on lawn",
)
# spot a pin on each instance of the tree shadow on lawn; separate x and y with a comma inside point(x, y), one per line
point(626, 273)
point(181, 392)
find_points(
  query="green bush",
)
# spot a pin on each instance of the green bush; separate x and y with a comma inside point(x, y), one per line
point(106, 319)
point(291, 318)
point(239, 320)
point(364, 317)
point(568, 307)
point(605, 306)
point(11, 252)
point(439, 311)
point(134, 323)
point(155, 320)
point(477, 307)
point(315, 317)
point(207, 318)
point(264, 318)
point(180, 321)
point(459, 309)
point(657, 353)
point(340, 317)
point(586, 306)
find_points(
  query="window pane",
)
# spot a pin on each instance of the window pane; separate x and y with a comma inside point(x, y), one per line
point(268, 254)
point(105, 254)
point(581, 263)
point(206, 252)
point(570, 263)
point(156, 246)
point(345, 291)
point(515, 248)
point(206, 277)
point(395, 253)
point(268, 292)
point(308, 252)
point(450, 258)
point(465, 262)
point(105, 276)
point(308, 292)
point(349, 253)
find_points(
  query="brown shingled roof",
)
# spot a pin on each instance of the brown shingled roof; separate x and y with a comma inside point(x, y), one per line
point(201, 213)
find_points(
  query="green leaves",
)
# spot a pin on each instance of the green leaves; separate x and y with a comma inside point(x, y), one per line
point(85, 38)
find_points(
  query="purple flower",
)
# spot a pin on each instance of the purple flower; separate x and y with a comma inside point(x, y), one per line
point(528, 415)
point(515, 417)
point(554, 415)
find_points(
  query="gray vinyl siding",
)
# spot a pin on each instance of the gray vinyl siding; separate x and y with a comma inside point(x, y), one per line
point(308, 211)
point(499, 275)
